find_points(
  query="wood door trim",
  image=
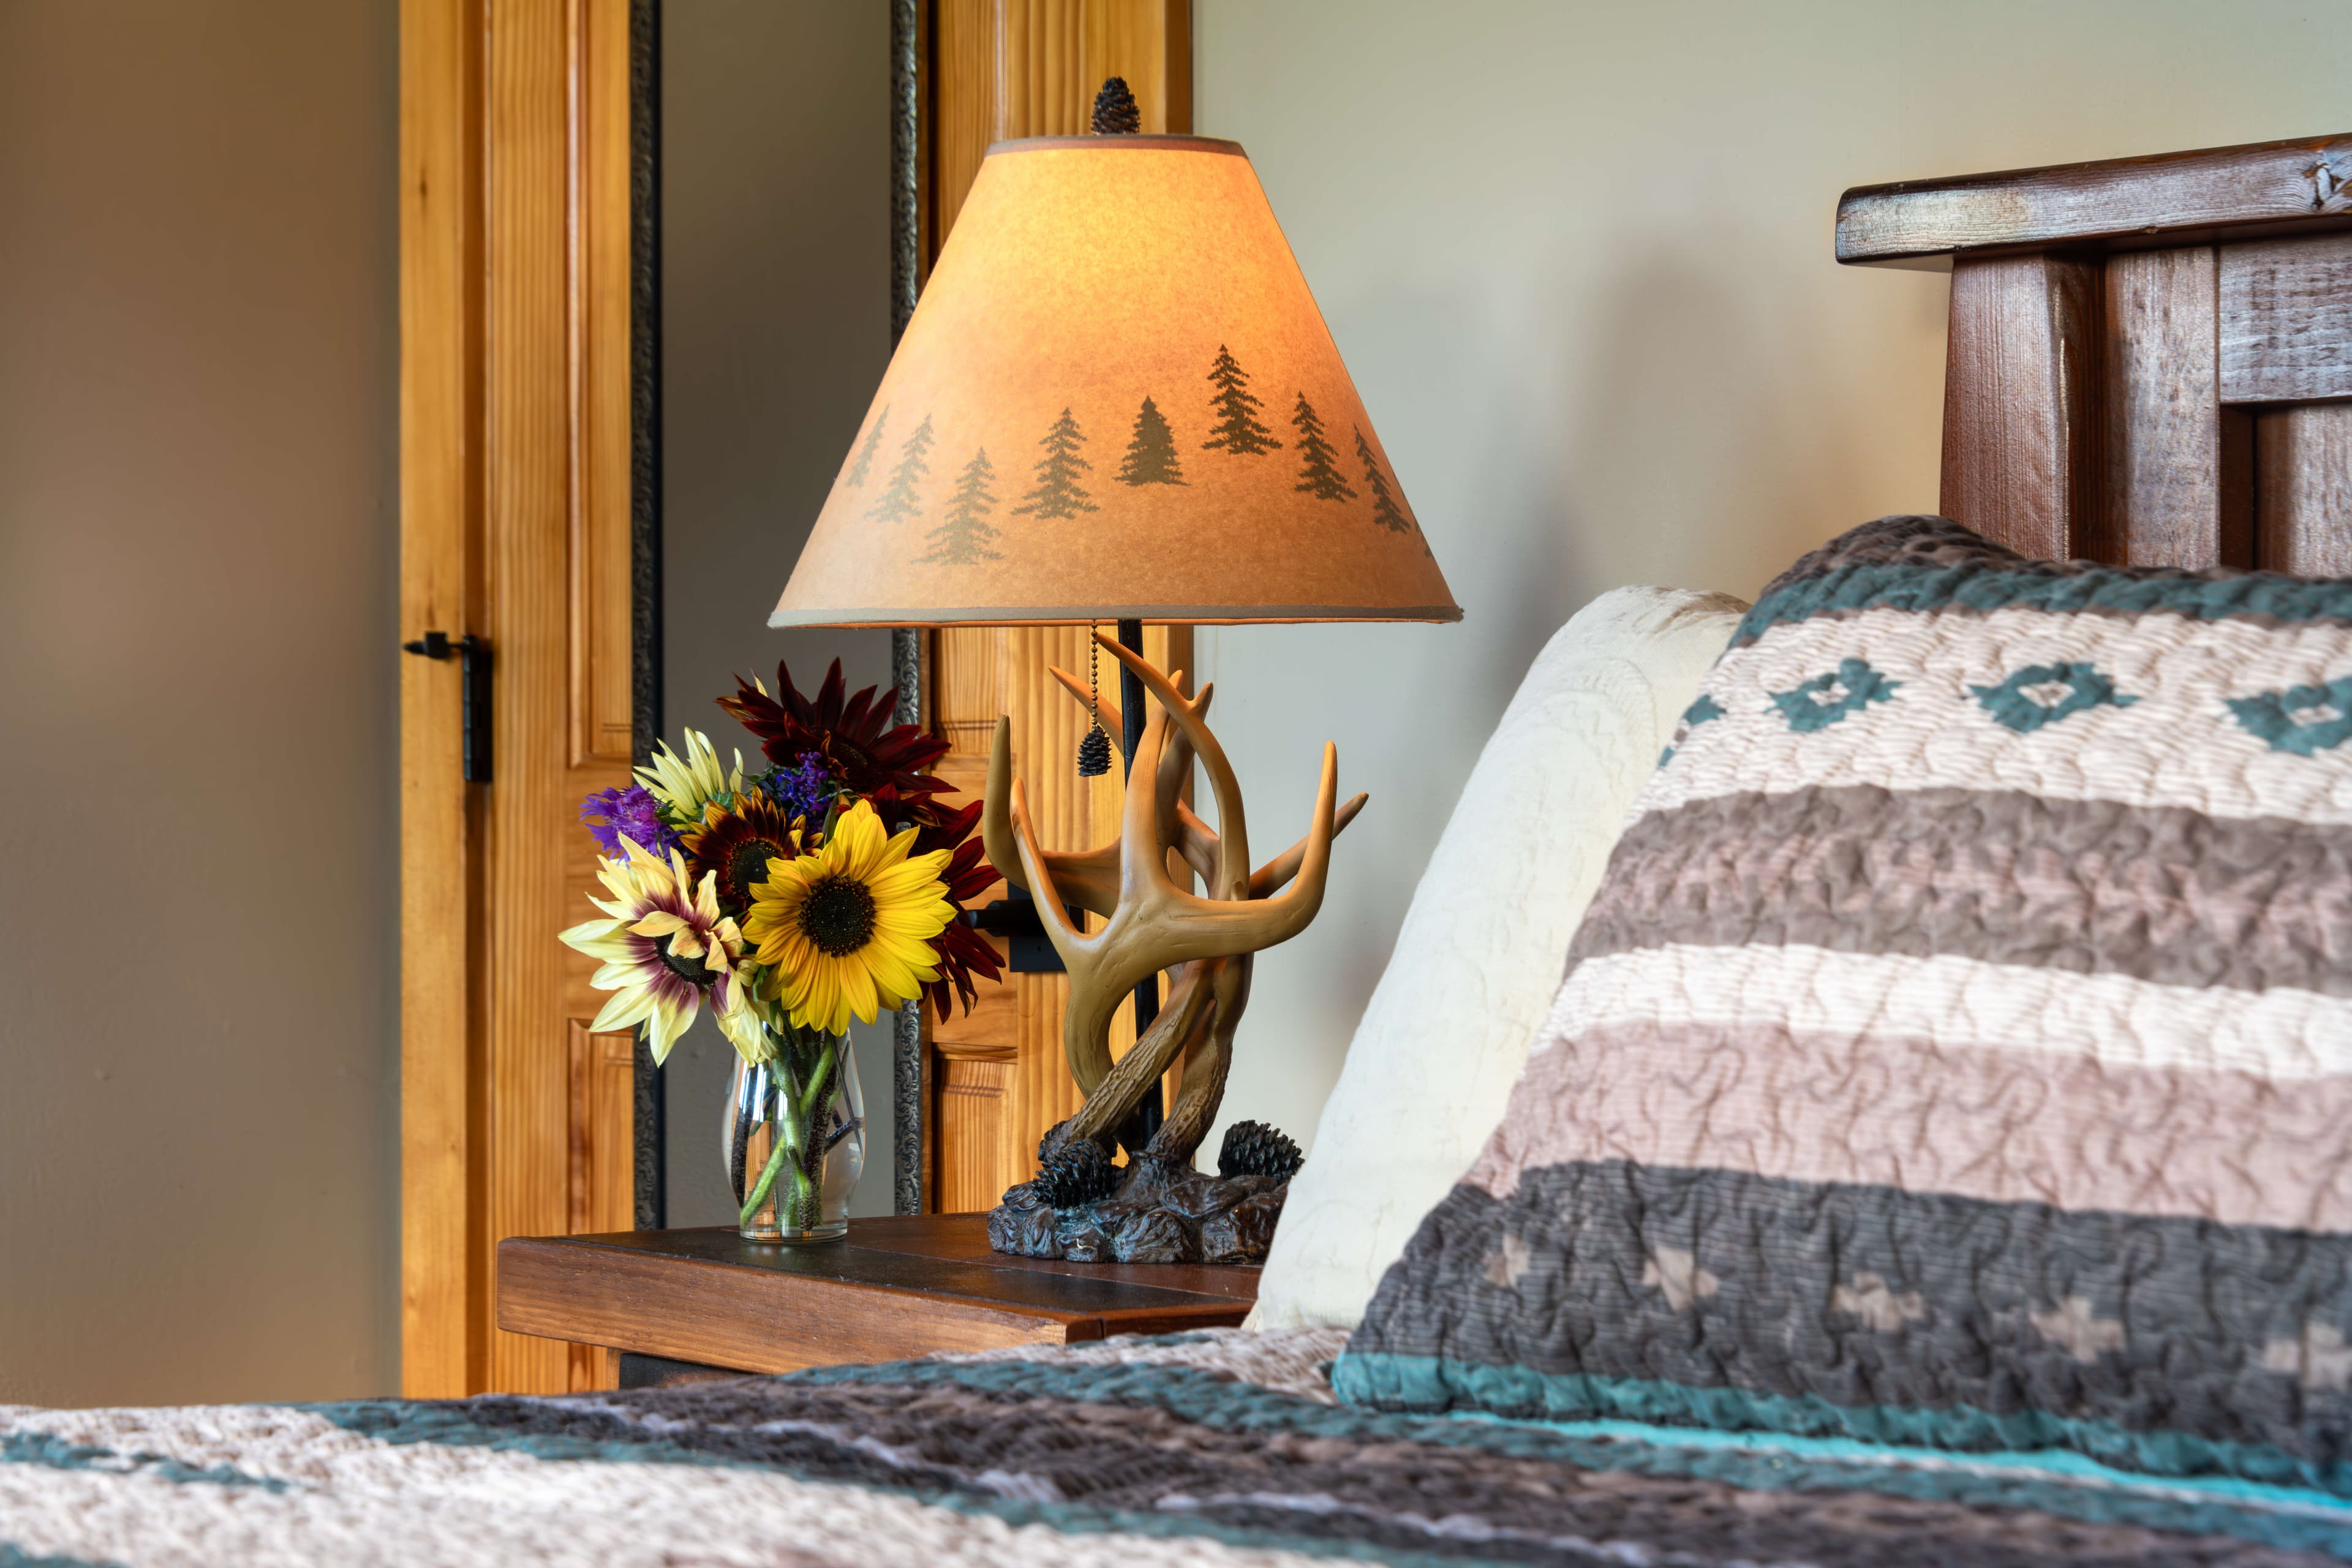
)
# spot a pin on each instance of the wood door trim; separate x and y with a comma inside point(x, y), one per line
point(516, 448)
point(964, 1051)
point(444, 1316)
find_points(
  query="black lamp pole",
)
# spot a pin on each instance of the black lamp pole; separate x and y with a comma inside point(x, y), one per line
point(1154, 1108)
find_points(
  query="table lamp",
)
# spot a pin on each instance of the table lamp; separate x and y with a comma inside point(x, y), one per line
point(1117, 401)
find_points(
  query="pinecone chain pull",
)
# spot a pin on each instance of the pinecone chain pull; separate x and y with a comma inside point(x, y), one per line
point(1093, 751)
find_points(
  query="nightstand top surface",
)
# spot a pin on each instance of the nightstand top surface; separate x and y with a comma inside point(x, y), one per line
point(897, 1287)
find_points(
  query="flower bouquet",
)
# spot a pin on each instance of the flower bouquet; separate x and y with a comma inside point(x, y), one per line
point(825, 886)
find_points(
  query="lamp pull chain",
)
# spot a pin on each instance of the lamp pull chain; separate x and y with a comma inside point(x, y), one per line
point(1093, 751)
point(1116, 113)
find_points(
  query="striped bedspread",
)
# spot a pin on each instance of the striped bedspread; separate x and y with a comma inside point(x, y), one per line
point(1219, 1448)
point(1958, 1049)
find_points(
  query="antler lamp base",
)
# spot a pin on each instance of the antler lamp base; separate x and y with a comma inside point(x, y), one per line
point(1155, 1208)
point(1154, 1213)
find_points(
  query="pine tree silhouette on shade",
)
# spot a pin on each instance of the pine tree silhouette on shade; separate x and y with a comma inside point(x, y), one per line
point(1316, 474)
point(1385, 511)
point(864, 464)
point(962, 539)
point(1057, 493)
point(896, 501)
point(1237, 430)
point(1152, 451)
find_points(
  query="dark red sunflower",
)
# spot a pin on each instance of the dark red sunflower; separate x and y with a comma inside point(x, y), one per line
point(737, 842)
point(852, 735)
point(962, 951)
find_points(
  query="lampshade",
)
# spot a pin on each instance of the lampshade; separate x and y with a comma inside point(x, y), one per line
point(1115, 400)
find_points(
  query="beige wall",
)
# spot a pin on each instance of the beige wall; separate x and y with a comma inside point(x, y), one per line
point(198, 540)
point(1577, 258)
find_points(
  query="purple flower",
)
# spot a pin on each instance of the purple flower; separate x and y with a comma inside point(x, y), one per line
point(804, 786)
point(611, 813)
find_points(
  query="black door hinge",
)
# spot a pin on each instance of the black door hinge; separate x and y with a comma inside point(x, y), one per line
point(474, 669)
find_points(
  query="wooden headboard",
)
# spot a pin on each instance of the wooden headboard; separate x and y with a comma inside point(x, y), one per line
point(2149, 359)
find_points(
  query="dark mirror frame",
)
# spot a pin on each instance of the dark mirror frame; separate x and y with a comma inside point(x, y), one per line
point(646, 530)
point(651, 1132)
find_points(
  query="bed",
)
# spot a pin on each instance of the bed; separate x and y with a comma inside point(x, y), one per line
point(1224, 1446)
point(2148, 364)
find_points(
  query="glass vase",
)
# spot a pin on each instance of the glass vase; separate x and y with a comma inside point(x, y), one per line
point(794, 1138)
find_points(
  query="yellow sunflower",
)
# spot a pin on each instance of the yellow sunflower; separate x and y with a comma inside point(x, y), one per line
point(848, 929)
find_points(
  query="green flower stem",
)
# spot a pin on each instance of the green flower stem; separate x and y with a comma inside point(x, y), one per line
point(794, 1120)
point(807, 1189)
point(820, 1085)
point(768, 1173)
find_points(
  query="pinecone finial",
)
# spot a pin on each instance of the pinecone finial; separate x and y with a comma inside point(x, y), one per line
point(1116, 113)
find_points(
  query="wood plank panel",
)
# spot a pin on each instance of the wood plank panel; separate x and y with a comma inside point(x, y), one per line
point(542, 56)
point(602, 1197)
point(602, 589)
point(2169, 496)
point(602, 1085)
point(2302, 488)
point(1030, 67)
point(958, 109)
point(443, 1316)
point(970, 1106)
point(2220, 188)
point(1042, 86)
point(527, 127)
point(2286, 320)
point(1070, 813)
point(2019, 427)
point(1151, 45)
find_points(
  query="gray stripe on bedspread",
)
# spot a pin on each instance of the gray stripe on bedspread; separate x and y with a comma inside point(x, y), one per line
point(2158, 893)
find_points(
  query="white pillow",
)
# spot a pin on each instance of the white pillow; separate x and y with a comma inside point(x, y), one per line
point(1479, 956)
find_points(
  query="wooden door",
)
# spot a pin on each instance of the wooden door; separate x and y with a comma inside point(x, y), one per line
point(996, 70)
point(516, 527)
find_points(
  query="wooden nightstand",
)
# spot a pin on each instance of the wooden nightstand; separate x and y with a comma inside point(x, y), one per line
point(679, 1303)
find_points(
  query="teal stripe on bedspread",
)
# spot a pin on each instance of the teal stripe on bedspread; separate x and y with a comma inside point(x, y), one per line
point(56, 1453)
point(2177, 1457)
point(14, 1557)
point(2274, 600)
point(1902, 1440)
point(598, 1429)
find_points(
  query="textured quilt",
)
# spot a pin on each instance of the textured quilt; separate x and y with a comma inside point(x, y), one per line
point(1210, 1449)
point(1958, 1050)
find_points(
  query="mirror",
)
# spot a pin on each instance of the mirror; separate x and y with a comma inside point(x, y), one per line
point(776, 250)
